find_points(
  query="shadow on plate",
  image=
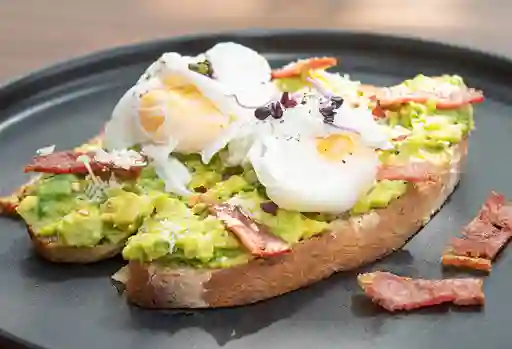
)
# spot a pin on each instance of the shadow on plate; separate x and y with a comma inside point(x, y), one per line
point(228, 324)
point(36, 268)
point(225, 325)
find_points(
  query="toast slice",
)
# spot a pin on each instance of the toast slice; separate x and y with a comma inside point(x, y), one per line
point(8, 204)
point(350, 244)
point(50, 249)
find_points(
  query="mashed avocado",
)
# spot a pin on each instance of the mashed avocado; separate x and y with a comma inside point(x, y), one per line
point(176, 235)
point(432, 132)
point(58, 207)
point(169, 231)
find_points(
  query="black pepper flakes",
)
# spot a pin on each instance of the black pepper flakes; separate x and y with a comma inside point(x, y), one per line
point(327, 111)
point(261, 113)
point(336, 101)
point(328, 114)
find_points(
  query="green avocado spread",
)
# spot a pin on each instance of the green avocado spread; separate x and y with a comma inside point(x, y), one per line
point(164, 228)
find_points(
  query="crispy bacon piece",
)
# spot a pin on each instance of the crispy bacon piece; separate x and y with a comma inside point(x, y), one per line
point(297, 68)
point(255, 237)
point(388, 97)
point(65, 162)
point(395, 293)
point(411, 172)
point(61, 163)
point(483, 238)
point(378, 112)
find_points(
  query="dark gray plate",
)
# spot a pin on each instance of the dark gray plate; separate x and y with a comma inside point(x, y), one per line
point(67, 307)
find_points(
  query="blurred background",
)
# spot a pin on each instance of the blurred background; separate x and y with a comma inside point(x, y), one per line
point(35, 33)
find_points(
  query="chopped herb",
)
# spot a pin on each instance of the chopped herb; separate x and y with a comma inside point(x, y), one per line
point(204, 68)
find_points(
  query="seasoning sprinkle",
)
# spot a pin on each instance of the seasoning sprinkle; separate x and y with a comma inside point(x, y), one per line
point(337, 101)
point(328, 114)
point(276, 110)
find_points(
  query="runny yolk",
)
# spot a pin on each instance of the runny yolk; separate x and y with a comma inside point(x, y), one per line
point(184, 100)
point(150, 115)
point(335, 147)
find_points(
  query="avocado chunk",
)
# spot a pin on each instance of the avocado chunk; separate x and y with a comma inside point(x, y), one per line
point(380, 196)
point(27, 209)
point(81, 228)
point(175, 232)
point(56, 186)
point(146, 247)
point(126, 210)
point(291, 226)
point(226, 189)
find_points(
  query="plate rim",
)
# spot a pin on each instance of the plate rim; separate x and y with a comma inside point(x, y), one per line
point(16, 88)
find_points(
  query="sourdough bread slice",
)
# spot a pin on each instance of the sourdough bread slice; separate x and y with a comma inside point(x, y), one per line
point(351, 243)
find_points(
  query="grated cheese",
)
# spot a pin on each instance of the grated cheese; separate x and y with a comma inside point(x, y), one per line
point(46, 150)
point(124, 158)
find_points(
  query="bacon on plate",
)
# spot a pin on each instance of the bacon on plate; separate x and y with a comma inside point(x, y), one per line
point(395, 293)
point(483, 238)
point(255, 237)
point(295, 69)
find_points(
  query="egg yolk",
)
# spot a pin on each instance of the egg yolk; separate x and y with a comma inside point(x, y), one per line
point(335, 147)
point(185, 101)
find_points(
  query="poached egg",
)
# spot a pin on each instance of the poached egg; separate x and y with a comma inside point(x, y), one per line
point(172, 108)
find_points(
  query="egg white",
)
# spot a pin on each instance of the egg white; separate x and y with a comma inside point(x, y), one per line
point(239, 72)
point(297, 177)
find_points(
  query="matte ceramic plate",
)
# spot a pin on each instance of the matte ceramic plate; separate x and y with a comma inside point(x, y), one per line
point(75, 307)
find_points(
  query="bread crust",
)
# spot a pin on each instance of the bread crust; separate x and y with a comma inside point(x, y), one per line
point(350, 244)
point(59, 253)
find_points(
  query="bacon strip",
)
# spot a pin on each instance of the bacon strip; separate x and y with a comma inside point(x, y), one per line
point(395, 293)
point(255, 237)
point(65, 162)
point(296, 69)
point(483, 238)
point(411, 172)
point(388, 97)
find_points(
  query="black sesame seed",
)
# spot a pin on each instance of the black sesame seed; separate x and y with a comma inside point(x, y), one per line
point(276, 110)
point(337, 101)
point(344, 161)
point(327, 111)
point(261, 113)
